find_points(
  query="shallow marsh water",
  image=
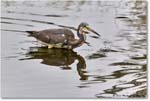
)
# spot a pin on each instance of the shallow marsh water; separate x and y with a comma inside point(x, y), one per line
point(114, 66)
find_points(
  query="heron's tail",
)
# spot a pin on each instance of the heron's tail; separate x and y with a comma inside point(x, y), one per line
point(32, 33)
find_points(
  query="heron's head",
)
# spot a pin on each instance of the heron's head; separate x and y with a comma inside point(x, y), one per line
point(85, 29)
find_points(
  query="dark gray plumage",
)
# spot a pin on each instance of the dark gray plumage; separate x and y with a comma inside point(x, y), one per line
point(62, 38)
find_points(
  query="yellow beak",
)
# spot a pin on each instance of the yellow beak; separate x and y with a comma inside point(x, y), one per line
point(88, 28)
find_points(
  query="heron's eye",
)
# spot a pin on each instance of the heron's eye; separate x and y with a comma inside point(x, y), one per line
point(87, 27)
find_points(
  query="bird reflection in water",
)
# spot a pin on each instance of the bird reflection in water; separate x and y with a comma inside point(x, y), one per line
point(62, 58)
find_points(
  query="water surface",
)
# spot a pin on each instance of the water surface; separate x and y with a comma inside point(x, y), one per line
point(113, 66)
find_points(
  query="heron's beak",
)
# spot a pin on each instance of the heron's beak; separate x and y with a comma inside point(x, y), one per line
point(88, 28)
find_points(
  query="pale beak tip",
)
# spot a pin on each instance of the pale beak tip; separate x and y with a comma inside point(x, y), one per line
point(93, 31)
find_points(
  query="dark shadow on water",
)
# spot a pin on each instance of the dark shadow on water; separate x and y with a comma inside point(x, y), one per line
point(62, 58)
point(96, 55)
point(101, 53)
point(39, 21)
point(49, 15)
point(5, 22)
point(114, 91)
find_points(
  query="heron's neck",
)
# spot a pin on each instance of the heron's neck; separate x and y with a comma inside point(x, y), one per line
point(78, 42)
point(80, 35)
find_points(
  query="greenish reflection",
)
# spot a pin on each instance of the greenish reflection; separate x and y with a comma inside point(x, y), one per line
point(62, 58)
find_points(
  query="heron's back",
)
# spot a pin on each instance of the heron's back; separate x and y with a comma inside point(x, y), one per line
point(53, 36)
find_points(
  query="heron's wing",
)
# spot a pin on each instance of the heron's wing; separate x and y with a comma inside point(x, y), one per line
point(66, 32)
point(54, 36)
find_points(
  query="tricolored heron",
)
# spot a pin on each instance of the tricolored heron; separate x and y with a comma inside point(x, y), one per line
point(63, 38)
